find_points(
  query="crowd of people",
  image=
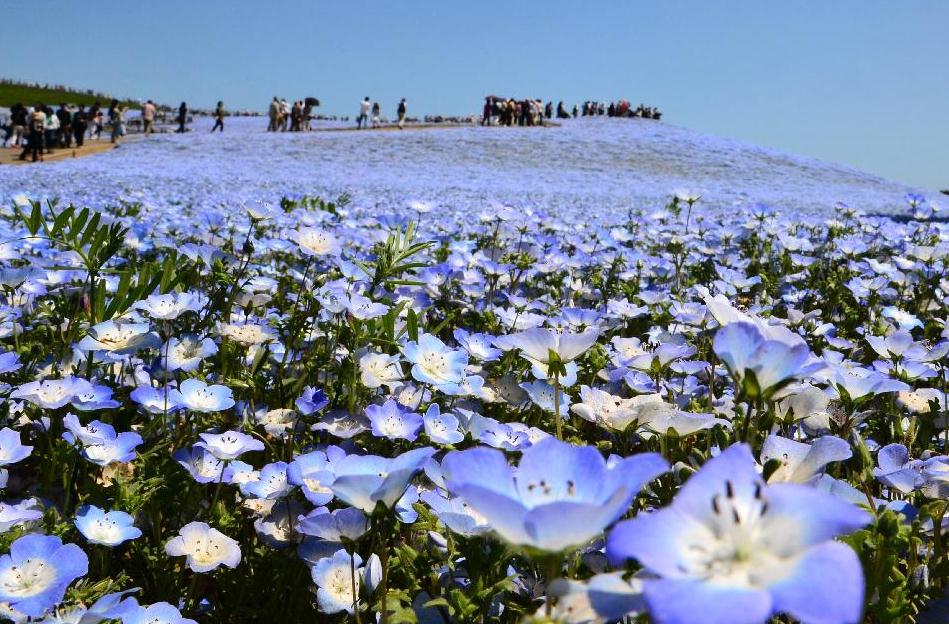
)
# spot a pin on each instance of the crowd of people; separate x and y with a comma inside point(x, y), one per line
point(294, 118)
point(500, 111)
point(621, 108)
point(38, 130)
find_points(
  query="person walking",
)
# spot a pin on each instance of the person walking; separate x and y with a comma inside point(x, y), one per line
point(401, 112)
point(117, 116)
point(218, 117)
point(363, 118)
point(182, 118)
point(148, 117)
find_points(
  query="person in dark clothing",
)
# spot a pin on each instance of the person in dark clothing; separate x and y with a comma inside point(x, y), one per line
point(218, 117)
point(549, 110)
point(20, 122)
point(95, 118)
point(401, 112)
point(79, 125)
point(37, 126)
point(64, 133)
point(182, 117)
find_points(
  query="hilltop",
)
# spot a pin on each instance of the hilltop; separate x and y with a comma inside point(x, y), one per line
point(12, 91)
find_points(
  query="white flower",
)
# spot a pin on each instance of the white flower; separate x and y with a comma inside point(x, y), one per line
point(198, 396)
point(119, 337)
point(204, 547)
point(316, 242)
point(171, 305)
point(379, 369)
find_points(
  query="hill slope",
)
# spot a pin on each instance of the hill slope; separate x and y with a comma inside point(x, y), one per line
point(586, 169)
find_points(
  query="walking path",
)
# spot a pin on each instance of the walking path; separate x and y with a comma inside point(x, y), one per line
point(11, 156)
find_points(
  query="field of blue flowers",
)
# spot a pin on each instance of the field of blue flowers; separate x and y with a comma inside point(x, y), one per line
point(235, 404)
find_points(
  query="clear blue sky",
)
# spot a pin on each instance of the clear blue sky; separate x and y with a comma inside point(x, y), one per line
point(862, 82)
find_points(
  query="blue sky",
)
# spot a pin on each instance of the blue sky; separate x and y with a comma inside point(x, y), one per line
point(861, 82)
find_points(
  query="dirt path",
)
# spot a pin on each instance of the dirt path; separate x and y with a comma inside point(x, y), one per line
point(11, 156)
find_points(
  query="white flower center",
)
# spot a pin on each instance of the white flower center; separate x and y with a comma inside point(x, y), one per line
point(30, 578)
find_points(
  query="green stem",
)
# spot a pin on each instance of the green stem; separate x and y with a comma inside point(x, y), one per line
point(557, 426)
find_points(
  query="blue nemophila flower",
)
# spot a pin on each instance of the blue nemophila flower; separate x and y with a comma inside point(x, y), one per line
point(99, 443)
point(559, 496)
point(96, 397)
point(364, 308)
point(158, 613)
point(198, 396)
point(106, 528)
point(35, 574)
point(271, 483)
point(313, 472)
point(12, 450)
point(802, 462)
point(157, 400)
point(858, 383)
point(538, 345)
point(390, 420)
point(761, 365)
point(114, 606)
point(732, 550)
point(441, 428)
point(478, 346)
point(364, 481)
point(13, 514)
point(434, 362)
point(229, 445)
point(455, 513)
point(52, 393)
point(346, 523)
point(541, 394)
point(205, 548)
point(9, 362)
point(896, 470)
point(200, 464)
point(311, 401)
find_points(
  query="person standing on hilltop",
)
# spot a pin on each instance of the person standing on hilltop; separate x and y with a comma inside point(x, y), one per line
point(182, 117)
point(79, 125)
point(218, 117)
point(376, 115)
point(363, 117)
point(274, 113)
point(401, 112)
point(148, 117)
point(64, 134)
point(37, 126)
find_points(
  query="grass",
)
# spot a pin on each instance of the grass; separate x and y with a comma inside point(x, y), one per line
point(10, 94)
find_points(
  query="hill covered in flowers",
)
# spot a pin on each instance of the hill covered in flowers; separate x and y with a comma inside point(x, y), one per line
point(433, 398)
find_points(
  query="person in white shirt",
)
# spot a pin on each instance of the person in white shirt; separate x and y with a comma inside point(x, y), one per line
point(364, 107)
